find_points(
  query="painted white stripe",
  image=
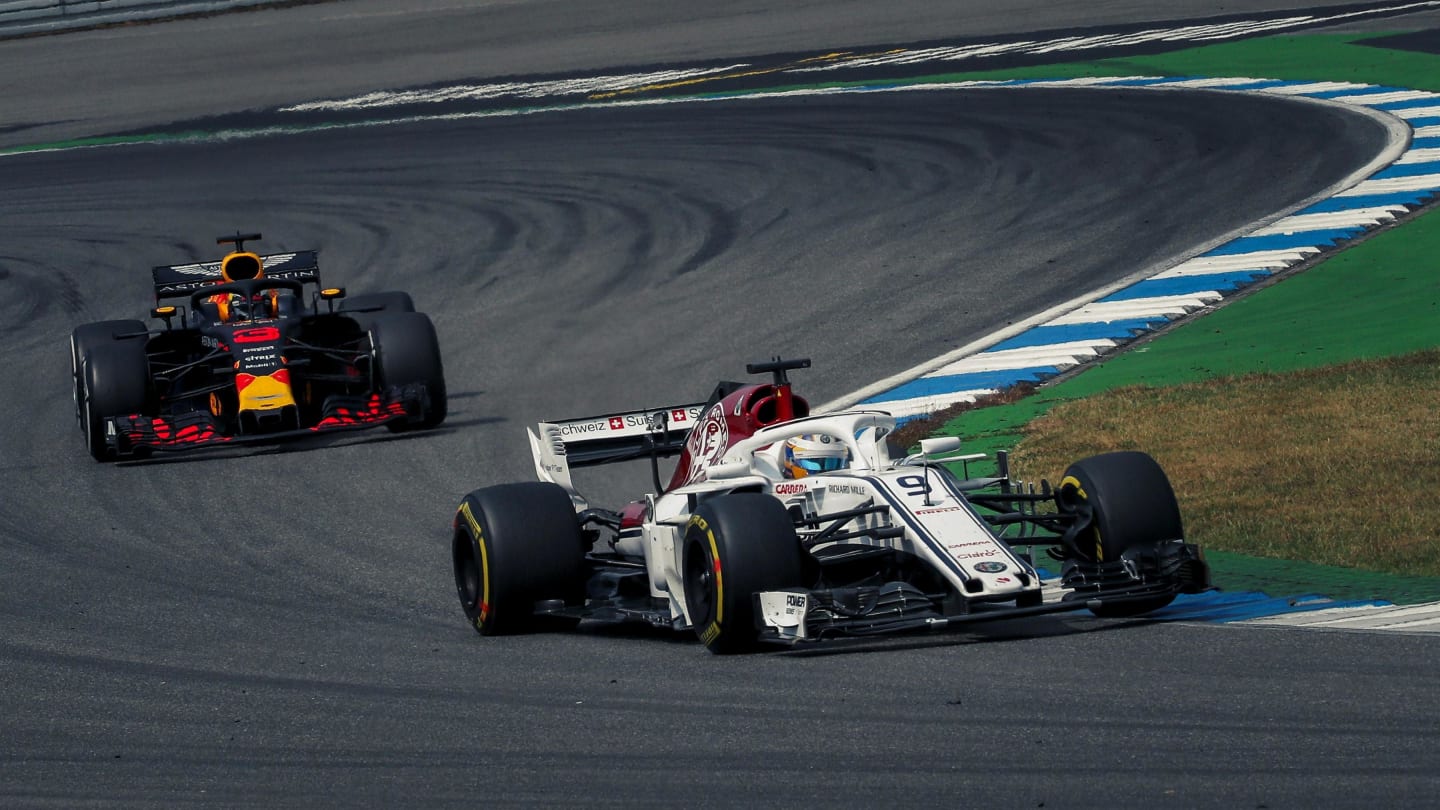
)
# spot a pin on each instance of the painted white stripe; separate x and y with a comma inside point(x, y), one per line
point(1259, 260)
point(1257, 28)
point(1102, 41)
point(988, 49)
point(1432, 131)
point(1309, 88)
point(1056, 354)
point(1089, 81)
point(1162, 306)
point(1404, 618)
point(950, 54)
point(1386, 98)
point(1390, 185)
point(1417, 112)
point(1358, 217)
point(558, 87)
point(924, 406)
point(1429, 155)
point(1221, 82)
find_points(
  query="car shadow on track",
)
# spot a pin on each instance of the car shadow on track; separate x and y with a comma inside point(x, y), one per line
point(1000, 631)
point(305, 445)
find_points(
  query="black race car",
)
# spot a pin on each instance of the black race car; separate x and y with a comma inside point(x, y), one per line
point(258, 351)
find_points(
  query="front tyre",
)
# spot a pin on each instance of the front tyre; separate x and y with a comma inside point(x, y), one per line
point(88, 336)
point(735, 546)
point(407, 351)
point(1131, 507)
point(515, 545)
point(114, 381)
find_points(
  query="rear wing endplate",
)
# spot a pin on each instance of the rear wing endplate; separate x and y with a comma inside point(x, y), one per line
point(179, 280)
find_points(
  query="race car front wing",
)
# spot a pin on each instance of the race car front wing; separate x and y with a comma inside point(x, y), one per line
point(138, 434)
point(791, 616)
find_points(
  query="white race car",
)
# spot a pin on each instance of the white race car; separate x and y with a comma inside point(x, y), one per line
point(781, 527)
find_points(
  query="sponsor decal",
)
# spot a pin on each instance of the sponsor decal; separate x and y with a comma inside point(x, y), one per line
point(989, 552)
point(971, 543)
point(211, 342)
point(848, 489)
point(789, 489)
point(990, 567)
point(582, 427)
point(794, 600)
point(257, 335)
point(940, 509)
point(707, 441)
point(205, 269)
point(640, 421)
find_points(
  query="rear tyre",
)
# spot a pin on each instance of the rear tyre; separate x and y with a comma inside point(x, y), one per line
point(515, 545)
point(407, 351)
point(86, 337)
point(114, 381)
point(1131, 504)
point(736, 545)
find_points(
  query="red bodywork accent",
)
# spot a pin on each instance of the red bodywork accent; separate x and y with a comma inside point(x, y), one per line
point(375, 410)
point(259, 334)
point(733, 418)
point(632, 515)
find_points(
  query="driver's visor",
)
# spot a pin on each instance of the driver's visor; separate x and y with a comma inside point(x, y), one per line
point(816, 465)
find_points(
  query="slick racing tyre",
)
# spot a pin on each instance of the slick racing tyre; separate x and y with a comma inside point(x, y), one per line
point(516, 545)
point(736, 545)
point(375, 305)
point(87, 337)
point(114, 381)
point(407, 351)
point(1131, 505)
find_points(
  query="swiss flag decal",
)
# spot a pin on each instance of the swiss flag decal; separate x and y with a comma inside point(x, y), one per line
point(678, 415)
point(616, 423)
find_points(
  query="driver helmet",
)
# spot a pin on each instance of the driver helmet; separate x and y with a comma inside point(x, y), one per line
point(813, 453)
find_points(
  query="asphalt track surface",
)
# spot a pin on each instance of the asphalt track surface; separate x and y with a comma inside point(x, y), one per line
point(278, 627)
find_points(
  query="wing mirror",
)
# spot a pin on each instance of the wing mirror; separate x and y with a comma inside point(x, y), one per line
point(164, 313)
point(939, 445)
point(331, 294)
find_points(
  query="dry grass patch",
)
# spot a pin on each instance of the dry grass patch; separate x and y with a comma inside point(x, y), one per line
point(1339, 466)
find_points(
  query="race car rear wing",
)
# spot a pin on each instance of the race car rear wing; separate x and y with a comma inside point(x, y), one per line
point(559, 445)
point(179, 280)
point(622, 436)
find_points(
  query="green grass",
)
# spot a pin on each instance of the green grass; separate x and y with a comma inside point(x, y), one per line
point(1331, 464)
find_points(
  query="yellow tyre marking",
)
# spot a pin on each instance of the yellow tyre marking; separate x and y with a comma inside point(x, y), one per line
point(714, 629)
point(1072, 481)
point(484, 610)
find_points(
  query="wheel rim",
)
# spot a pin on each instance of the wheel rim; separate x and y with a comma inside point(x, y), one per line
point(699, 583)
point(467, 582)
